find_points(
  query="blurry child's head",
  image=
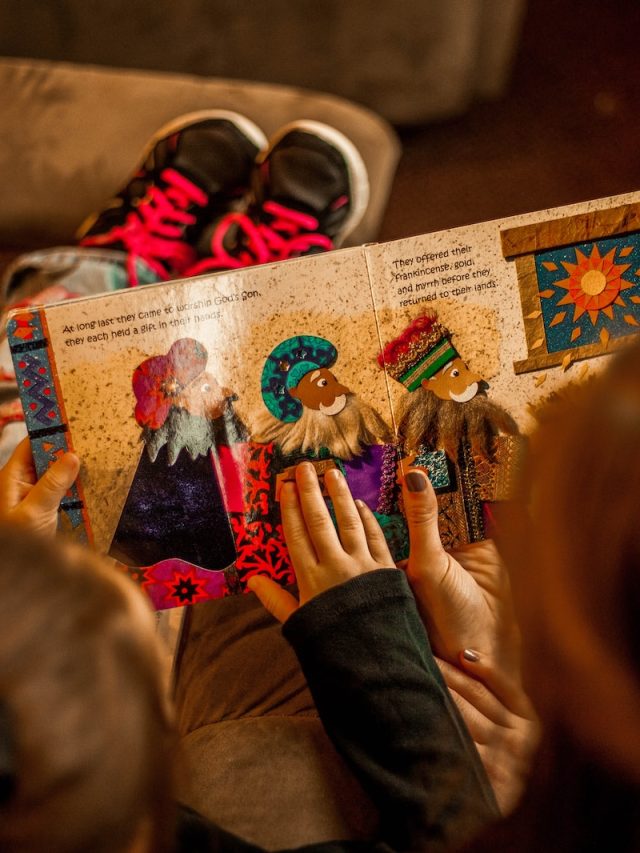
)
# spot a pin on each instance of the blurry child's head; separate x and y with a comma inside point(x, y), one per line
point(87, 739)
point(577, 579)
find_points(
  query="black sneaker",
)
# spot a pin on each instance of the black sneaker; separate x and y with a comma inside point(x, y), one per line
point(310, 190)
point(193, 171)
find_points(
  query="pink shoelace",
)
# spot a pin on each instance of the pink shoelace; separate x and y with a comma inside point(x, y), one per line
point(154, 231)
point(288, 233)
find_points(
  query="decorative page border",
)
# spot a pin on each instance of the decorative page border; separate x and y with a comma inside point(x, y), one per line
point(44, 411)
point(579, 282)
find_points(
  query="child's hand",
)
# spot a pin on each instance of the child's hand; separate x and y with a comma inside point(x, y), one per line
point(321, 556)
point(30, 503)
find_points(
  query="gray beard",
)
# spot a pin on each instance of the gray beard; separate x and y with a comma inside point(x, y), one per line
point(195, 435)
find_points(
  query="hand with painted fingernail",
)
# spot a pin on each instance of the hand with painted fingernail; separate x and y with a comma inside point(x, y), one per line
point(323, 555)
point(500, 719)
point(30, 503)
point(463, 596)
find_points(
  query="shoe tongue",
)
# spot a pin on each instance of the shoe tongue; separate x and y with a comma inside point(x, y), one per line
point(304, 179)
point(229, 242)
point(213, 161)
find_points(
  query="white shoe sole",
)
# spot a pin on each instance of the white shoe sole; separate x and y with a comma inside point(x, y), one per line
point(358, 176)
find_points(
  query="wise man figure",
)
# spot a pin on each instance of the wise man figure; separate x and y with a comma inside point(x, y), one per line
point(309, 414)
point(470, 445)
point(174, 532)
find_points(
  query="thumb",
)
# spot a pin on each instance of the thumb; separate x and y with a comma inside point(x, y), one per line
point(277, 601)
point(421, 511)
point(47, 493)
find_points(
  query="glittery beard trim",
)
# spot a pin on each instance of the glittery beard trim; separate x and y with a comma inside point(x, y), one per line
point(471, 493)
point(388, 495)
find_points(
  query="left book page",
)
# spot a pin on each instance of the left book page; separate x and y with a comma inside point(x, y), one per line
point(190, 402)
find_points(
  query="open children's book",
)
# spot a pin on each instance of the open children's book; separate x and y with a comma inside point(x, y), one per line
point(190, 402)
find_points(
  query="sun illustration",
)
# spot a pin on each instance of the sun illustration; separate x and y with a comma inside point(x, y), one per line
point(594, 284)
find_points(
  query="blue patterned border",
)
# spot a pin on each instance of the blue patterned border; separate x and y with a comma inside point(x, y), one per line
point(42, 411)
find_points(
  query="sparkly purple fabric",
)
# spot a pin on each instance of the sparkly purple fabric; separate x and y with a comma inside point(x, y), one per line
point(363, 475)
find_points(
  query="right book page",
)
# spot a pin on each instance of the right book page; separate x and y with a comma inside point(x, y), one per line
point(479, 324)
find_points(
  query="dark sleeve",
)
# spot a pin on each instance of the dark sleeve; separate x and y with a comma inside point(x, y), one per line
point(381, 697)
point(196, 834)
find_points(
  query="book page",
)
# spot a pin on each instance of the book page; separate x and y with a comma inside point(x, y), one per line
point(172, 390)
point(480, 324)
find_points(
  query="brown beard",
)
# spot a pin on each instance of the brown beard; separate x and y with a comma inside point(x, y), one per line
point(444, 424)
point(345, 435)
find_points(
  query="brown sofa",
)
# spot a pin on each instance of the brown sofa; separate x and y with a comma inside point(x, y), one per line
point(411, 62)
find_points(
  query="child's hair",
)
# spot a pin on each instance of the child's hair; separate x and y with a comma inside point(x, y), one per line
point(579, 574)
point(574, 559)
point(87, 740)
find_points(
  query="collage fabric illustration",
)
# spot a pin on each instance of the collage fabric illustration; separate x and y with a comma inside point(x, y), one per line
point(195, 425)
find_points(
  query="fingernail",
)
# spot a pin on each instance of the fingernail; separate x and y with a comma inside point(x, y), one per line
point(335, 473)
point(416, 481)
point(471, 655)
